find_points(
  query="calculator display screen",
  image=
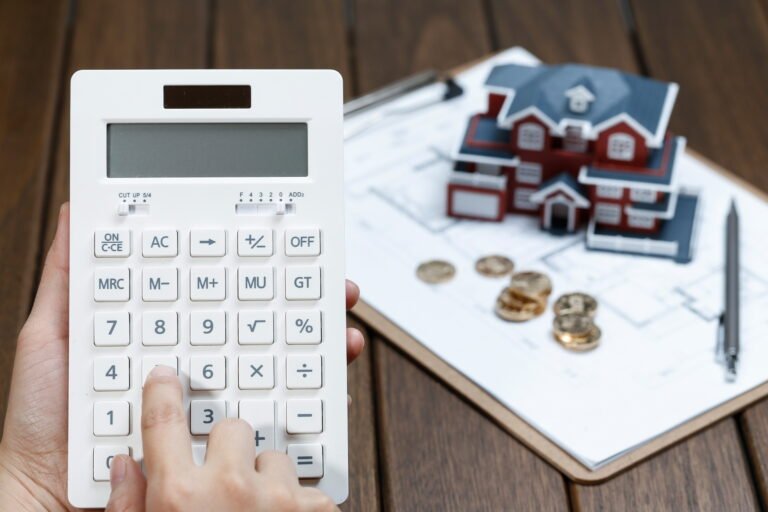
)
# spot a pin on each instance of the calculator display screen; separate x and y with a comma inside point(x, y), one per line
point(206, 150)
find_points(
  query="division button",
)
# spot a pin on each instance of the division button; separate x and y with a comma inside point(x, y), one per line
point(304, 371)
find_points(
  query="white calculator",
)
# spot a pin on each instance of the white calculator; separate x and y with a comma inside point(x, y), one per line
point(207, 234)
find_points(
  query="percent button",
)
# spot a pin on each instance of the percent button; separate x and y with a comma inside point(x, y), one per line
point(303, 327)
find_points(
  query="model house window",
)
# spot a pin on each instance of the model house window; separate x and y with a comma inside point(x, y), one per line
point(528, 172)
point(642, 195)
point(609, 192)
point(621, 147)
point(530, 136)
point(640, 221)
point(607, 213)
point(523, 199)
point(488, 169)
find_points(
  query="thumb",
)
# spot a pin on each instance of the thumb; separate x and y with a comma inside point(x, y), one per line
point(128, 486)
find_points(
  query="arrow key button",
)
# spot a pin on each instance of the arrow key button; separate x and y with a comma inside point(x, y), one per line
point(207, 242)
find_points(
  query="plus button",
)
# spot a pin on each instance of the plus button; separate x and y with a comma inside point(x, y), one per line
point(259, 438)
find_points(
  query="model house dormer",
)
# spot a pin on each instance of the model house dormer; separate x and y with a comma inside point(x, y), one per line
point(579, 99)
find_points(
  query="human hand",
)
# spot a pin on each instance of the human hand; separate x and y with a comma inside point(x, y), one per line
point(228, 480)
point(33, 451)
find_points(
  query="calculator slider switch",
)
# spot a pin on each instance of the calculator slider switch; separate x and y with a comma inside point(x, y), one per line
point(124, 209)
point(265, 209)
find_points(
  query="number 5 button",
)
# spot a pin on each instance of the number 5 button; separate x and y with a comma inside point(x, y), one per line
point(207, 372)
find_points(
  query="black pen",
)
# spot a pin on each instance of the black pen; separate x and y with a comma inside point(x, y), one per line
point(731, 314)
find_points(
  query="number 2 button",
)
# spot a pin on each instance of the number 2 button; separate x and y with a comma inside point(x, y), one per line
point(207, 372)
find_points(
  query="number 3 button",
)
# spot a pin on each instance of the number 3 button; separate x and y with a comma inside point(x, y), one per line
point(207, 372)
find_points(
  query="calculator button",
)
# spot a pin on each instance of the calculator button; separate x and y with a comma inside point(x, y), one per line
point(260, 414)
point(111, 374)
point(102, 460)
point(255, 283)
point(303, 327)
point(204, 414)
point(308, 459)
point(207, 372)
point(255, 327)
point(304, 371)
point(302, 242)
point(114, 243)
point(208, 283)
point(207, 242)
point(254, 242)
point(112, 285)
point(160, 284)
point(304, 416)
point(302, 283)
point(160, 243)
point(207, 328)
point(111, 419)
point(149, 362)
point(198, 454)
point(160, 328)
point(111, 328)
point(256, 372)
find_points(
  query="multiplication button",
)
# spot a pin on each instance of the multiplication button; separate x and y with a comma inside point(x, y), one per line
point(302, 242)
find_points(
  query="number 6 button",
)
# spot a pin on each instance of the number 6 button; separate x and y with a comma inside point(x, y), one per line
point(207, 372)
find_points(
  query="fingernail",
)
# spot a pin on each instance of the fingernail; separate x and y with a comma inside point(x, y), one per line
point(118, 470)
point(161, 371)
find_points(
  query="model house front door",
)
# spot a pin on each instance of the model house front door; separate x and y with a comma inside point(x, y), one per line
point(559, 218)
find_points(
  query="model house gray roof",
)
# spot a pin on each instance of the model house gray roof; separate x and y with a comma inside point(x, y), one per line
point(648, 102)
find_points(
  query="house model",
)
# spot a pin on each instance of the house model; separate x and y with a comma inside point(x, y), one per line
point(578, 146)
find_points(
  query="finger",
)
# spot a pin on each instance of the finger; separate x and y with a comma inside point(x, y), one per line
point(277, 465)
point(167, 445)
point(129, 487)
point(355, 344)
point(231, 444)
point(353, 294)
point(313, 499)
point(51, 309)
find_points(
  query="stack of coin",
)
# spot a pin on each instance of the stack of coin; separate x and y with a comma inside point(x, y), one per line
point(525, 297)
point(574, 324)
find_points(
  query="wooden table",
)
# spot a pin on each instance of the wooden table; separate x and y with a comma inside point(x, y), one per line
point(415, 445)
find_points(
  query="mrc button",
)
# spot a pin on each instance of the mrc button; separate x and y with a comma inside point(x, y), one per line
point(302, 242)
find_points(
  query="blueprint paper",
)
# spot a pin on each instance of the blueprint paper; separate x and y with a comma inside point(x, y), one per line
point(655, 367)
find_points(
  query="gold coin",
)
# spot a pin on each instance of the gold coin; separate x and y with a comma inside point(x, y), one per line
point(494, 266)
point(514, 306)
point(572, 326)
point(435, 271)
point(577, 303)
point(581, 344)
point(533, 284)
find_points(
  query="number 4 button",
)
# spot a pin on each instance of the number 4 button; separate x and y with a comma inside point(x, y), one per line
point(111, 374)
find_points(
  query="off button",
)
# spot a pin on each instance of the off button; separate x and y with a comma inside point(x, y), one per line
point(302, 242)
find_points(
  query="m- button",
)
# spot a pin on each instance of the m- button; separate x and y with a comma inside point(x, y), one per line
point(302, 242)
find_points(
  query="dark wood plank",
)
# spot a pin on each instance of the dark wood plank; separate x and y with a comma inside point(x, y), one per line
point(278, 34)
point(442, 454)
point(395, 38)
point(587, 31)
point(363, 455)
point(114, 34)
point(311, 34)
point(754, 428)
point(707, 472)
point(718, 55)
point(32, 42)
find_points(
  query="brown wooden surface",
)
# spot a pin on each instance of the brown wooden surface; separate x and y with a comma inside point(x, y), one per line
point(414, 445)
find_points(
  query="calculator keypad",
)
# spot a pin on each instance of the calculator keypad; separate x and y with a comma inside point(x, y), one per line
point(164, 319)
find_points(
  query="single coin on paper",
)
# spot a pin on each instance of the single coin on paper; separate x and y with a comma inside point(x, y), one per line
point(494, 265)
point(435, 271)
